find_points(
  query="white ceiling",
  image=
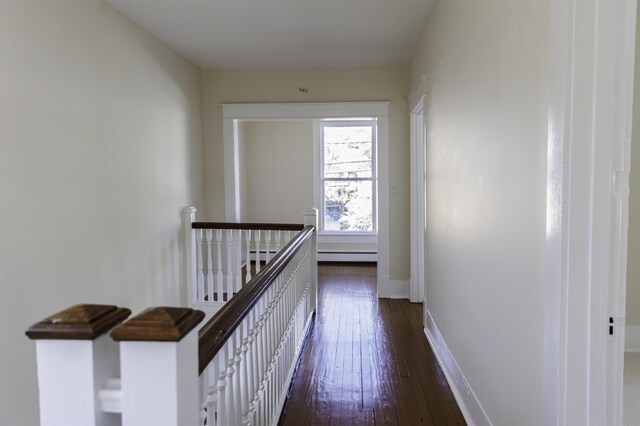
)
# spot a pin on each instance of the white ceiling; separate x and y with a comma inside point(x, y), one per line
point(233, 34)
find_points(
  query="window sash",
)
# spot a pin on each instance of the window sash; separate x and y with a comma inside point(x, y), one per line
point(373, 178)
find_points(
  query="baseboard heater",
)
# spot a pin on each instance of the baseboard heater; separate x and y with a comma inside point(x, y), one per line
point(347, 256)
point(331, 256)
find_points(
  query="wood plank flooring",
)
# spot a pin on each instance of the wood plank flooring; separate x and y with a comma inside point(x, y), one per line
point(366, 360)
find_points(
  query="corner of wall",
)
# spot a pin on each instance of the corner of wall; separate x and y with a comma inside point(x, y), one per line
point(392, 289)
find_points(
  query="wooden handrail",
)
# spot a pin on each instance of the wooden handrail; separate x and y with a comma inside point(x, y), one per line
point(250, 226)
point(220, 328)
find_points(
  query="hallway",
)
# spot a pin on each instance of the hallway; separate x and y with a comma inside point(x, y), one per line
point(366, 360)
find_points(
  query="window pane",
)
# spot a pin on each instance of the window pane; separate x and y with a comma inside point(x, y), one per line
point(348, 206)
point(347, 151)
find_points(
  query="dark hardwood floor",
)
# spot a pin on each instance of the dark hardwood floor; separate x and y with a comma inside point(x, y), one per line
point(366, 360)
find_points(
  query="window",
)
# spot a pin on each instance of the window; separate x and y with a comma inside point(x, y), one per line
point(348, 177)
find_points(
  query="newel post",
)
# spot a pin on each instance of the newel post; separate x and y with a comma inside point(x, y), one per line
point(159, 367)
point(311, 218)
point(75, 359)
point(190, 288)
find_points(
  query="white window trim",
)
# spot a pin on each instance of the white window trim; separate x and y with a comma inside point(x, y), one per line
point(319, 179)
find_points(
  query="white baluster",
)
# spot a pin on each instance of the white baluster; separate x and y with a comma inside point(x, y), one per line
point(229, 242)
point(190, 290)
point(239, 262)
point(270, 338)
point(281, 352)
point(257, 237)
point(245, 368)
point(286, 310)
point(219, 277)
point(267, 243)
point(274, 316)
point(311, 218)
point(247, 237)
point(278, 238)
point(212, 372)
point(274, 360)
point(200, 266)
point(253, 363)
point(229, 397)
point(261, 364)
point(237, 376)
point(221, 366)
point(210, 290)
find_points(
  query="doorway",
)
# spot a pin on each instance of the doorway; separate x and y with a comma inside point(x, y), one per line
point(234, 115)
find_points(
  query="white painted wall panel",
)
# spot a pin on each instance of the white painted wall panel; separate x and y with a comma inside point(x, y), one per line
point(277, 165)
point(486, 103)
point(101, 148)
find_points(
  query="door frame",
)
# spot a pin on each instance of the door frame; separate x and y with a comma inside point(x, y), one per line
point(417, 158)
point(232, 114)
point(591, 54)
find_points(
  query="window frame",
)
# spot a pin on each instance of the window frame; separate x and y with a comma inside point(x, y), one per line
point(321, 179)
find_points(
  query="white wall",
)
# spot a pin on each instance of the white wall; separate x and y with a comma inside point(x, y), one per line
point(324, 85)
point(279, 181)
point(486, 64)
point(101, 147)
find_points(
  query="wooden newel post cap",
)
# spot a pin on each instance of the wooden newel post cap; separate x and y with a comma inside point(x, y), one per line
point(79, 322)
point(162, 324)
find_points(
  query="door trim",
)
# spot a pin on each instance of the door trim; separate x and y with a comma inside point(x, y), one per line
point(418, 140)
point(592, 48)
point(234, 113)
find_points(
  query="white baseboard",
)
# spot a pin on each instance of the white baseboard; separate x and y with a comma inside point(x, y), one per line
point(392, 289)
point(347, 256)
point(469, 404)
point(632, 338)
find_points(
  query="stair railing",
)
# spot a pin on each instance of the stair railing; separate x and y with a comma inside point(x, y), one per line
point(222, 257)
point(160, 367)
